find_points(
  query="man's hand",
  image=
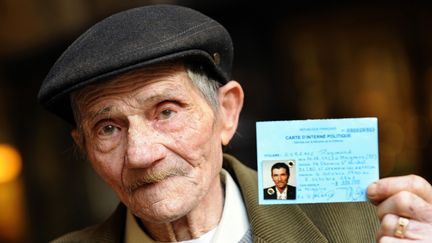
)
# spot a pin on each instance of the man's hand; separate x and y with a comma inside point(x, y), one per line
point(404, 208)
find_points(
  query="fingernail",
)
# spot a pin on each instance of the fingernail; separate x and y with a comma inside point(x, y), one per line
point(372, 190)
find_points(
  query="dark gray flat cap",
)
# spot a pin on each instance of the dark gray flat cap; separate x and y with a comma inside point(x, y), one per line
point(132, 39)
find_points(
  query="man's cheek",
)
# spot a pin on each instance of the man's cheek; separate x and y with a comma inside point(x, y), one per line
point(107, 168)
point(193, 141)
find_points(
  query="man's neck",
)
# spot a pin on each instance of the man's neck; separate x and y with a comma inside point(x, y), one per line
point(281, 189)
point(203, 218)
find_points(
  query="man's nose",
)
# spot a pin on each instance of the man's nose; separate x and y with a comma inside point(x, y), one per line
point(143, 145)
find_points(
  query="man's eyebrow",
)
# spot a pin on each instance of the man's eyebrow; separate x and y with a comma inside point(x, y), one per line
point(166, 94)
point(92, 115)
point(153, 98)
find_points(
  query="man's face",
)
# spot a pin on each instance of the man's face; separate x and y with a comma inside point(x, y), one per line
point(280, 178)
point(155, 141)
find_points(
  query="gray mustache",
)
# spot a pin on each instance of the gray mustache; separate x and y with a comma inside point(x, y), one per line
point(151, 177)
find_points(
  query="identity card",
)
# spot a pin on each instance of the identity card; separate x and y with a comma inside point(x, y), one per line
point(317, 160)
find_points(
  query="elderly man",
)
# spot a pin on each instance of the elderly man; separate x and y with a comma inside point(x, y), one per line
point(150, 95)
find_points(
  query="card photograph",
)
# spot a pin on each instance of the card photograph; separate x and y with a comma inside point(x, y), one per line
point(279, 180)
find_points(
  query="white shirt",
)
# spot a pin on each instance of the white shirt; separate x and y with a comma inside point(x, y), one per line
point(232, 226)
point(283, 194)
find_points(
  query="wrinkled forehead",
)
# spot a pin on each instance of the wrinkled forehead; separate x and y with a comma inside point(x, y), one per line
point(129, 85)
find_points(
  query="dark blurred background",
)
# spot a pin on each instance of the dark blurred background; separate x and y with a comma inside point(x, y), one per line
point(298, 60)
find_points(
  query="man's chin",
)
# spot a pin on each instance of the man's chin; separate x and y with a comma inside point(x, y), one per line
point(152, 202)
point(161, 212)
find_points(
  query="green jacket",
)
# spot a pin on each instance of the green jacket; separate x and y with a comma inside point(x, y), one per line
point(335, 222)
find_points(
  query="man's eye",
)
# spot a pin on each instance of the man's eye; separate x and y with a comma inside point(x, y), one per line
point(107, 130)
point(165, 114)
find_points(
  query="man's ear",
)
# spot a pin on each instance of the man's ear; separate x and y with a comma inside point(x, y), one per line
point(230, 104)
point(76, 135)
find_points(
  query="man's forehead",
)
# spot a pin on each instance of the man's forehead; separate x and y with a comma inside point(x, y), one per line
point(95, 99)
point(279, 170)
point(110, 105)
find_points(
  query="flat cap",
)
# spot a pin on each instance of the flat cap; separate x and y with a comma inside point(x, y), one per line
point(132, 39)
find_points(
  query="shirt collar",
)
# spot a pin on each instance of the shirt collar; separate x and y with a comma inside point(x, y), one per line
point(283, 194)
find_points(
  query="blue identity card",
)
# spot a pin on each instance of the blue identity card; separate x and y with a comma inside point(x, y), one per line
point(316, 161)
